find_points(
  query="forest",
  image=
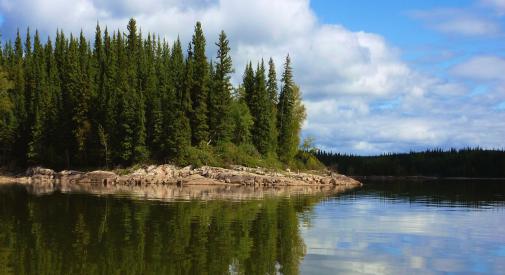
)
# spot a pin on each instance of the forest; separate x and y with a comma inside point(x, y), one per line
point(129, 98)
point(469, 162)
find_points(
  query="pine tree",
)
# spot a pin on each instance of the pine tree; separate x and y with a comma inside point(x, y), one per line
point(199, 88)
point(220, 96)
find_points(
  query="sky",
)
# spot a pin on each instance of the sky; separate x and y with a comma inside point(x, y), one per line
point(376, 76)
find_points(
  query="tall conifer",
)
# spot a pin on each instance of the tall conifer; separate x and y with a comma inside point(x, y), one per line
point(220, 97)
point(199, 88)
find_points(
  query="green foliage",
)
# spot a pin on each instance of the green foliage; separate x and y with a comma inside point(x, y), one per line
point(306, 157)
point(201, 155)
point(244, 154)
point(127, 100)
point(241, 122)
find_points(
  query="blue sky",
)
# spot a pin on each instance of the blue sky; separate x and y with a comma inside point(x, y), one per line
point(376, 76)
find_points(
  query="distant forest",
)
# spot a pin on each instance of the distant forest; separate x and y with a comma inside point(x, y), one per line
point(128, 98)
point(452, 163)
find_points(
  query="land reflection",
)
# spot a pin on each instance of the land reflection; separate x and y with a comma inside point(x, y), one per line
point(173, 192)
point(82, 234)
point(468, 193)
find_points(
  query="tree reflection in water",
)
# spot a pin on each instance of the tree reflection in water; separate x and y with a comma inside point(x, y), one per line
point(81, 234)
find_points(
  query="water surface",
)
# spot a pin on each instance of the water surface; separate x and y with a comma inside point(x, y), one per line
point(390, 228)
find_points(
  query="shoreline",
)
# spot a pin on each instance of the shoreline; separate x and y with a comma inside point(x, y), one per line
point(168, 182)
point(421, 178)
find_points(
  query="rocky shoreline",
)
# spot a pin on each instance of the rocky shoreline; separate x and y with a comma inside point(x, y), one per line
point(168, 181)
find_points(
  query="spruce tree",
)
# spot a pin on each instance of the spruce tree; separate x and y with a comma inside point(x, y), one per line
point(169, 102)
point(291, 114)
point(19, 101)
point(7, 117)
point(182, 129)
point(53, 108)
point(285, 114)
point(272, 90)
point(199, 88)
point(261, 114)
point(135, 93)
point(128, 98)
point(38, 102)
point(248, 83)
point(125, 104)
point(109, 95)
point(220, 96)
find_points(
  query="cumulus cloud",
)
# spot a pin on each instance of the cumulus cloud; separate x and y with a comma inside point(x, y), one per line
point(343, 74)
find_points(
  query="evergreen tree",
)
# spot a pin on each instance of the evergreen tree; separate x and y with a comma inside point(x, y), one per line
point(135, 92)
point(17, 72)
point(38, 102)
point(109, 94)
point(182, 130)
point(127, 98)
point(220, 97)
point(53, 108)
point(199, 88)
point(290, 115)
point(7, 117)
point(273, 101)
point(169, 102)
point(248, 83)
point(261, 113)
point(125, 104)
point(82, 99)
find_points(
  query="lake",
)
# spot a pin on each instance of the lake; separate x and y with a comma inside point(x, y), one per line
point(388, 227)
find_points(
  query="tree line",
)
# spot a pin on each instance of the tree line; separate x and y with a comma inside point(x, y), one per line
point(469, 162)
point(128, 98)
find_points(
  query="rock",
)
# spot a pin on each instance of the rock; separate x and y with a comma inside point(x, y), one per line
point(33, 171)
point(162, 175)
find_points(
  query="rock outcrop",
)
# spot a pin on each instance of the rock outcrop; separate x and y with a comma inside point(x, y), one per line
point(168, 181)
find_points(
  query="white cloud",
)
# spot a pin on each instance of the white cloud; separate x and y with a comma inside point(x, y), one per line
point(342, 73)
point(459, 22)
point(481, 68)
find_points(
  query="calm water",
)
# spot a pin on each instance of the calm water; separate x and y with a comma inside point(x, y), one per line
point(391, 228)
